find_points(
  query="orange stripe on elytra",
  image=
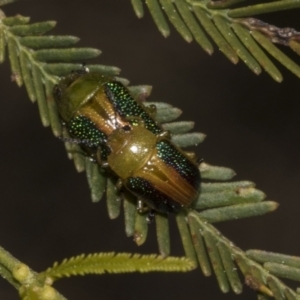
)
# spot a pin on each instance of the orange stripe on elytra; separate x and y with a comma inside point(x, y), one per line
point(102, 113)
point(167, 180)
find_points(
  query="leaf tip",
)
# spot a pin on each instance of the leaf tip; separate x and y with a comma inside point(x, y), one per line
point(209, 51)
point(279, 79)
point(274, 205)
point(139, 15)
point(165, 34)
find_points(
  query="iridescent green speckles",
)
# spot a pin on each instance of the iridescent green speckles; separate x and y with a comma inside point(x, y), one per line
point(127, 107)
point(177, 160)
point(152, 196)
point(85, 130)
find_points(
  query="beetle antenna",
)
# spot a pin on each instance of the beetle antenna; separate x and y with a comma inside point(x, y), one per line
point(84, 68)
point(151, 216)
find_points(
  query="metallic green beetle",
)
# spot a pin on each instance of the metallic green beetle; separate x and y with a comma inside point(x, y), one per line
point(119, 132)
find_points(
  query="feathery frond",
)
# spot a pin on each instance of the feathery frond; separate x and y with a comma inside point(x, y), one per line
point(32, 285)
point(233, 30)
point(100, 263)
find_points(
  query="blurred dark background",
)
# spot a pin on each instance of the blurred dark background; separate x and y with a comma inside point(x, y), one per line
point(252, 125)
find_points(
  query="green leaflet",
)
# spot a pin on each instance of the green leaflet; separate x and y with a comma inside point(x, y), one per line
point(138, 8)
point(163, 236)
point(194, 19)
point(100, 263)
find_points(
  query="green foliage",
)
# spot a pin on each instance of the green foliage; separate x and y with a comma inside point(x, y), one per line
point(100, 263)
point(226, 259)
point(34, 286)
point(235, 35)
point(38, 61)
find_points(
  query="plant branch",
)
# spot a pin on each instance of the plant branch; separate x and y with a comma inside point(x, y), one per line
point(25, 280)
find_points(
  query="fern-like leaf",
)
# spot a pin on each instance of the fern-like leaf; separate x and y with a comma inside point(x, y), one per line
point(100, 263)
point(32, 285)
point(215, 252)
point(236, 35)
point(37, 61)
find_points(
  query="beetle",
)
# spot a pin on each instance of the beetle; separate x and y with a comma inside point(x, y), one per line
point(120, 134)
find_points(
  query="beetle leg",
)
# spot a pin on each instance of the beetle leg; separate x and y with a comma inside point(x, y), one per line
point(192, 156)
point(57, 93)
point(97, 157)
point(164, 135)
point(141, 206)
point(151, 216)
point(104, 164)
point(82, 71)
point(135, 121)
point(119, 184)
point(93, 158)
point(151, 110)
